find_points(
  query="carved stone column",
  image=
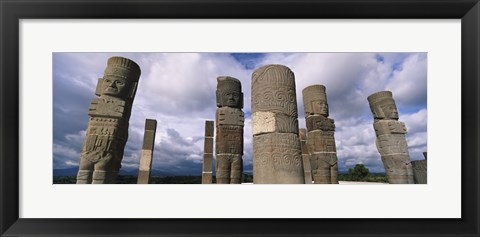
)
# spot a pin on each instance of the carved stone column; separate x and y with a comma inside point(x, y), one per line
point(277, 156)
point(420, 170)
point(147, 151)
point(305, 156)
point(320, 139)
point(107, 130)
point(229, 140)
point(391, 142)
point(208, 153)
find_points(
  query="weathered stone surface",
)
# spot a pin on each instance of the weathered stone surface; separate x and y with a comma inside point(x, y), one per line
point(315, 100)
point(391, 142)
point(207, 168)
point(208, 145)
point(270, 122)
point(420, 170)
point(303, 140)
point(307, 168)
point(208, 153)
point(207, 178)
point(229, 138)
point(209, 128)
point(321, 135)
point(319, 122)
point(324, 167)
point(273, 90)
point(107, 130)
point(277, 154)
point(277, 159)
point(229, 168)
point(229, 92)
point(320, 141)
point(229, 116)
point(147, 151)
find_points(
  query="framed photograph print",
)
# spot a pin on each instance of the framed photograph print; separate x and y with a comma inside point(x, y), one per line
point(153, 99)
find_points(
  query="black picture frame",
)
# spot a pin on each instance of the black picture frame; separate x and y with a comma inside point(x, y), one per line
point(11, 11)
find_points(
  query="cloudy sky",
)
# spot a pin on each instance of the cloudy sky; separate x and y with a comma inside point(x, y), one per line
point(178, 90)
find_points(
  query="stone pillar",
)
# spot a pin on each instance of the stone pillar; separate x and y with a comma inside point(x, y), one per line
point(107, 130)
point(208, 153)
point(229, 140)
point(391, 142)
point(420, 170)
point(320, 139)
point(307, 168)
point(147, 151)
point(277, 156)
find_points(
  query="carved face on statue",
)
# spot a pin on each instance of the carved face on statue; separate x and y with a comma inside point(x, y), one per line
point(390, 110)
point(320, 107)
point(230, 98)
point(383, 105)
point(115, 86)
point(229, 92)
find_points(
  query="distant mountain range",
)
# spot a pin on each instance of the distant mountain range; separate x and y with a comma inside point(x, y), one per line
point(155, 172)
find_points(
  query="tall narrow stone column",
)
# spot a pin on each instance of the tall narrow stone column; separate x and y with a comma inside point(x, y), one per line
point(391, 142)
point(305, 156)
point(147, 151)
point(420, 170)
point(277, 156)
point(320, 139)
point(229, 120)
point(208, 153)
point(107, 130)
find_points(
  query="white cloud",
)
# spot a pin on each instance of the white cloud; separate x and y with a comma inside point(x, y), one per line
point(409, 84)
point(415, 122)
point(76, 138)
point(65, 151)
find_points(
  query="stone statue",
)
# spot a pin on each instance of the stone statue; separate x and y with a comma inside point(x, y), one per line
point(320, 139)
point(229, 139)
point(146, 158)
point(107, 130)
point(391, 142)
point(208, 153)
point(277, 156)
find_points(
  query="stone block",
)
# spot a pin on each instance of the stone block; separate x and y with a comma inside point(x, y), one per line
point(420, 171)
point(207, 178)
point(208, 145)
point(209, 128)
point(148, 140)
point(207, 163)
point(269, 122)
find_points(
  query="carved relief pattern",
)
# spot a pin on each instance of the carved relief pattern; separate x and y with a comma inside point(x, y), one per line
point(107, 130)
point(276, 145)
point(391, 142)
point(321, 136)
point(229, 135)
